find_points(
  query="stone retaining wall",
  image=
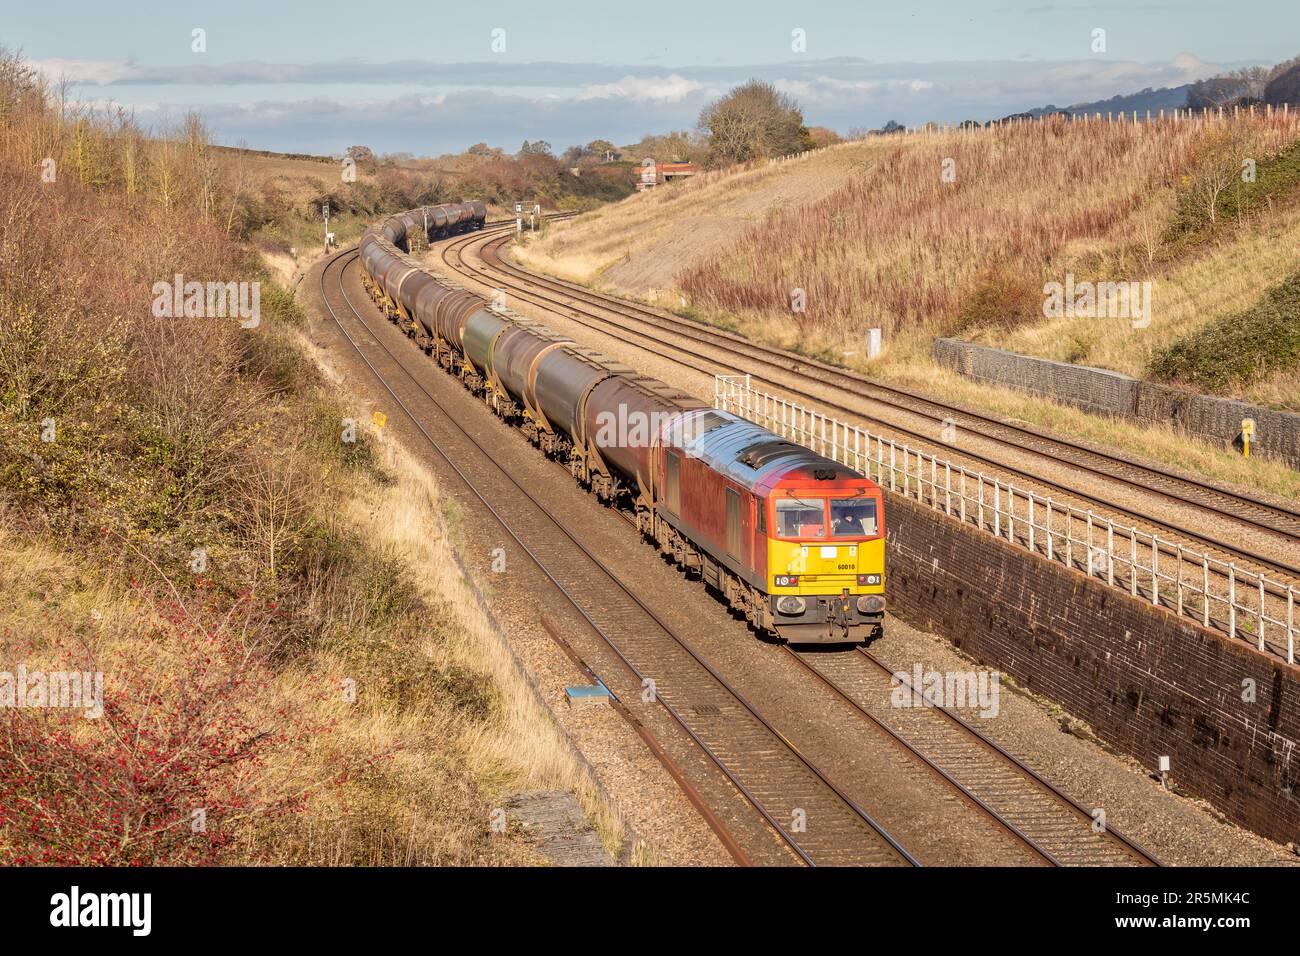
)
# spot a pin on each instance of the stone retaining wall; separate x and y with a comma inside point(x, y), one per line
point(1277, 434)
point(1147, 681)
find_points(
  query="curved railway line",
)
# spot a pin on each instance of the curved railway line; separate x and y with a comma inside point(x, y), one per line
point(711, 351)
point(769, 771)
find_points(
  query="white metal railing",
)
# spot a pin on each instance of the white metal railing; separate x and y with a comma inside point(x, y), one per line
point(1239, 602)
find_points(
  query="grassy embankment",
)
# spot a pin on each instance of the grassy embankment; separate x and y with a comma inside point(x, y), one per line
point(294, 670)
point(876, 237)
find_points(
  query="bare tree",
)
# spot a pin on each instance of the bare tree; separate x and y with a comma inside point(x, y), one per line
point(197, 144)
point(1218, 166)
point(753, 121)
point(238, 189)
point(1238, 87)
point(1284, 87)
point(363, 156)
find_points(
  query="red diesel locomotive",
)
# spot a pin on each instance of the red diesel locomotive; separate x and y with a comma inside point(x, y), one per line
point(791, 540)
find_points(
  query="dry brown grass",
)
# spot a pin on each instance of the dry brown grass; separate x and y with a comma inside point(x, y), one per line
point(442, 728)
point(639, 244)
point(1223, 278)
point(519, 746)
point(875, 238)
point(194, 527)
point(899, 248)
point(443, 725)
point(883, 242)
point(442, 698)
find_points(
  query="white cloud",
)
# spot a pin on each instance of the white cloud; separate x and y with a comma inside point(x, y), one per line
point(95, 72)
point(828, 88)
point(426, 106)
point(668, 89)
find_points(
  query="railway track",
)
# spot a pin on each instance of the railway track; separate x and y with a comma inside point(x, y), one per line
point(803, 807)
point(713, 351)
point(1058, 828)
point(1033, 813)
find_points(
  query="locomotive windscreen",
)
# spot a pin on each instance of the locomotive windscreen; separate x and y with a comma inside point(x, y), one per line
point(853, 517)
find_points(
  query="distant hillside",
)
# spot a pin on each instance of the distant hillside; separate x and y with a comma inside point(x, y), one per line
point(1165, 98)
point(1251, 85)
point(235, 151)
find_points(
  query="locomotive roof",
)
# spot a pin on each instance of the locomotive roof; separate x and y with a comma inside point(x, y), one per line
point(749, 454)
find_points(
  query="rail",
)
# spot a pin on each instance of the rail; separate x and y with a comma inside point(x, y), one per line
point(1246, 605)
point(777, 767)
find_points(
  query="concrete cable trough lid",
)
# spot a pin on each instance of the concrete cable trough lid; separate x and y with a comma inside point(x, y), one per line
point(554, 823)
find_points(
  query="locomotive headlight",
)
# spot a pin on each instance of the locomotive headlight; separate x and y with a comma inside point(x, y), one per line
point(791, 604)
point(786, 580)
point(868, 579)
point(871, 604)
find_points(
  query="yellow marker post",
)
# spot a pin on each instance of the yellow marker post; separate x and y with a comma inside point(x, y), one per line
point(380, 419)
point(1247, 433)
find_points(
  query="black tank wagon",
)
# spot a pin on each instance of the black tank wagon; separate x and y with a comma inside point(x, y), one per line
point(791, 540)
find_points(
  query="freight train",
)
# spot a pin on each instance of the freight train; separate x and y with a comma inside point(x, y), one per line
point(791, 540)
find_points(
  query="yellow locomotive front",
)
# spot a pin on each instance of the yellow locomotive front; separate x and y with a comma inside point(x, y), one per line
point(826, 561)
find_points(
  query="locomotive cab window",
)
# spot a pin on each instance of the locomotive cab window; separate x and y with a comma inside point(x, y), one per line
point(853, 518)
point(797, 518)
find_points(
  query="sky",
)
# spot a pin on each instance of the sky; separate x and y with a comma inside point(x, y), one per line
point(435, 77)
